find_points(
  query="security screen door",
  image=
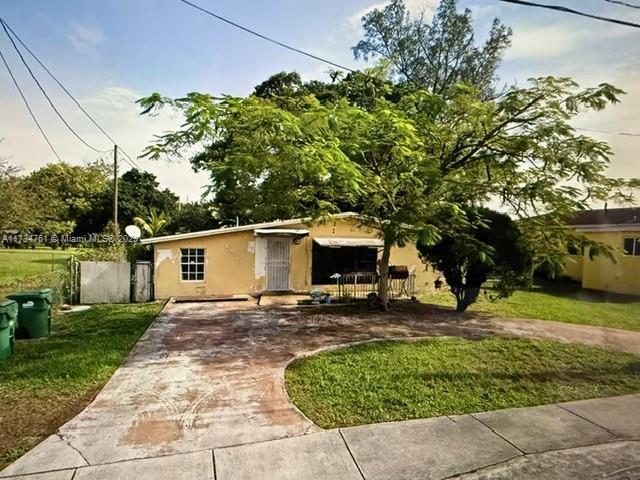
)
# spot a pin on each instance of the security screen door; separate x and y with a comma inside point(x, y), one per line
point(278, 263)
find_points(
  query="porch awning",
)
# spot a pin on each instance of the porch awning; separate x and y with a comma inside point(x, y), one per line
point(336, 242)
point(283, 232)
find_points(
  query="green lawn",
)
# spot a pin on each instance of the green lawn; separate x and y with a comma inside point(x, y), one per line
point(16, 264)
point(560, 301)
point(50, 380)
point(393, 381)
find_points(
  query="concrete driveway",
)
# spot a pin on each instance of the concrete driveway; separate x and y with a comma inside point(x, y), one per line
point(210, 375)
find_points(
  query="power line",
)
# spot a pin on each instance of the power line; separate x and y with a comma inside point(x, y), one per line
point(627, 134)
point(267, 38)
point(618, 2)
point(35, 79)
point(574, 12)
point(26, 102)
point(128, 158)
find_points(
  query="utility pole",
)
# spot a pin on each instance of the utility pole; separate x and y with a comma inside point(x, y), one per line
point(115, 185)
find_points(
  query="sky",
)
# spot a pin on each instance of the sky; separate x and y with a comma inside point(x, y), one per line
point(109, 53)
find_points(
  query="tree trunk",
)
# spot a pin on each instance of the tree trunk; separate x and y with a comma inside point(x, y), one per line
point(383, 284)
point(468, 296)
point(532, 272)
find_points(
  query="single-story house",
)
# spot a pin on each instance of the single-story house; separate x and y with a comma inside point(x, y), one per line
point(282, 256)
point(619, 227)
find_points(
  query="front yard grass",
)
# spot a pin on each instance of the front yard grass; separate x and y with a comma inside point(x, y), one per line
point(16, 264)
point(392, 381)
point(48, 381)
point(559, 301)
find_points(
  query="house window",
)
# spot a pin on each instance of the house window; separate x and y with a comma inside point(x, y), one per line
point(327, 261)
point(573, 250)
point(631, 246)
point(192, 264)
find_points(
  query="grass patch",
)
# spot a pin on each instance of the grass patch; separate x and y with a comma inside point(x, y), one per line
point(48, 381)
point(392, 381)
point(559, 301)
point(17, 264)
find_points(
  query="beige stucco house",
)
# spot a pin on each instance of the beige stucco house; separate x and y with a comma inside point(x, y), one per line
point(283, 256)
point(620, 228)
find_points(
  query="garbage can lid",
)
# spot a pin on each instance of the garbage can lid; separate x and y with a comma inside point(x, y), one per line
point(30, 294)
point(6, 303)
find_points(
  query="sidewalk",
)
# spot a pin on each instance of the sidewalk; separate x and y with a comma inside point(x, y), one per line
point(597, 438)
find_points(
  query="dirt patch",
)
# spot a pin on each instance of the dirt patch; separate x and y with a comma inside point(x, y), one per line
point(154, 429)
point(26, 423)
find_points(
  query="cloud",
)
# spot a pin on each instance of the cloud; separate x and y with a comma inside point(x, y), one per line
point(85, 38)
point(544, 42)
point(415, 8)
point(114, 108)
point(113, 97)
point(622, 117)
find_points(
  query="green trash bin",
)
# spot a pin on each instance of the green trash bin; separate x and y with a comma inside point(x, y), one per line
point(34, 313)
point(8, 318)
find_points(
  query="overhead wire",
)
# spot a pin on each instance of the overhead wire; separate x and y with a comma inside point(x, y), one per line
point(560, 8)
point(26, 103)
point(625, 4)
point(266, 37)
point(127, 157)
point(594, 130)
point(53, 107)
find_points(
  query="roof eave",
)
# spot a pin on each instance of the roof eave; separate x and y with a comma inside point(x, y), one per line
point(607, 227)
point(242, 228)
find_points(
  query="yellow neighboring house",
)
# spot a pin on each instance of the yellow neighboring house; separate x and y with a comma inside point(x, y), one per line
point(283, 256)
point(619, 227)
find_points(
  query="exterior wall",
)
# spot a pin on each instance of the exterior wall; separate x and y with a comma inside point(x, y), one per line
point(229, 266)
point(235, 261)
point(573, 268)
point(349, 227)
point(603, 274)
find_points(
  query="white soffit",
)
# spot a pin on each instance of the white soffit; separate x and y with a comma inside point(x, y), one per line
point(348, 242)
point(299, 232)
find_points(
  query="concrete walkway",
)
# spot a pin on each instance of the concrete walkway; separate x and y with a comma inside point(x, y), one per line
point(205, 385)
point(587, 439)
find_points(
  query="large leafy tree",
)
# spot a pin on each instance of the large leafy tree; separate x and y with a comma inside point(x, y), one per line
point(265, 162)
point(138, 193)
point(282, 84)
point(488, 244)
point(435, 56)
point(16, 204)
point(286, 89)
point(50, 199)
point(72, 187)
point(412, 168)
point(193, 217)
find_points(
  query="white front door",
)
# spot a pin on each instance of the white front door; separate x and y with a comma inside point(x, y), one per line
point(278, 263)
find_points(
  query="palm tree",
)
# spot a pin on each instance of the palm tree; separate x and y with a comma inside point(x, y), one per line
point(154, 224)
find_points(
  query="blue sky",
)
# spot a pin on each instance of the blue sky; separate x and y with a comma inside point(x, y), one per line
point(111, 52)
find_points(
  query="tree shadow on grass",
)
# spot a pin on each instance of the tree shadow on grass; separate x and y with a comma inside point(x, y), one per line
point(57, 260)
point(573, 291)
point(608, 375)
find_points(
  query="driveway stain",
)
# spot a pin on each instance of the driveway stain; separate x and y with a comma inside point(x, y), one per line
point(211, 375)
